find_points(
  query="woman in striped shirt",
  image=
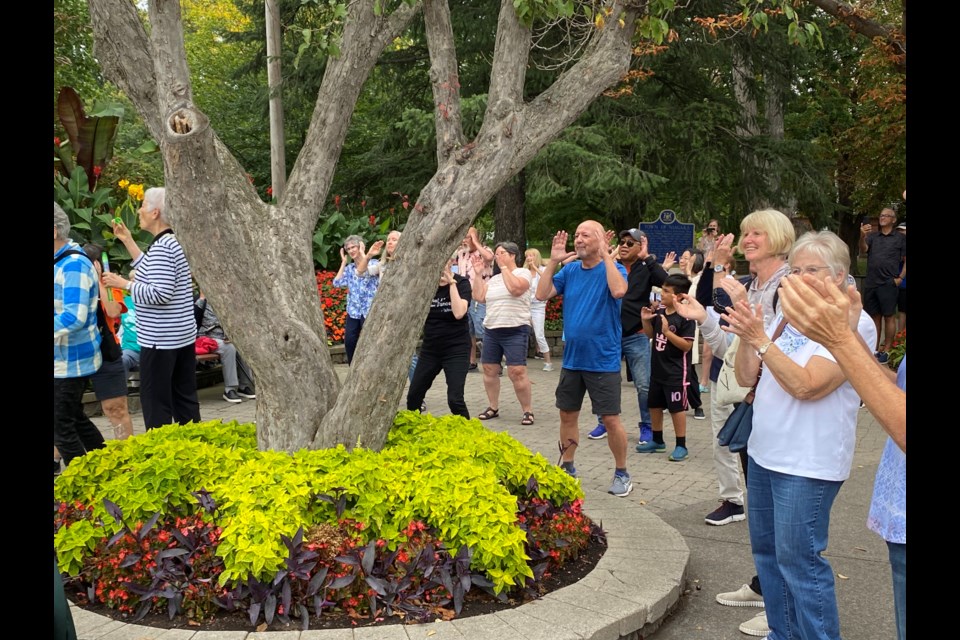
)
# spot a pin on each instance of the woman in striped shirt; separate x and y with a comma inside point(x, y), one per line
point(506, 328)
point(166, 327)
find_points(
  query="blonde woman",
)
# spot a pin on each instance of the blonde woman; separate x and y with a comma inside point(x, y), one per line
point(377, 268)
point(538, 310)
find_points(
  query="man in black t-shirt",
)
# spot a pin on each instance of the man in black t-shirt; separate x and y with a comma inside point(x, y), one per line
point(446, 343)
point(886, 268)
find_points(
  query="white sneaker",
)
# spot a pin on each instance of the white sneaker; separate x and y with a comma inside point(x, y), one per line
point(756, 626)
point(548, 367)
point(742, 597)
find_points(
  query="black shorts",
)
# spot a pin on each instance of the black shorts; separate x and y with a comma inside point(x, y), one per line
point(902, 300)
point(110, 381)
point(881, 301)
point(672, 397)
point(604, 390)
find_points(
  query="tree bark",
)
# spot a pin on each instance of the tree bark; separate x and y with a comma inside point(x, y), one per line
point(278, 148)
point(509, 213)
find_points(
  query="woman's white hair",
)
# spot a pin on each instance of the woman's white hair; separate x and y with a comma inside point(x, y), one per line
point(61, 223)
point(827, 246)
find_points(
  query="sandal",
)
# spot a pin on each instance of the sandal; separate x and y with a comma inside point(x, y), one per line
point(488, 413)
point(527, 418)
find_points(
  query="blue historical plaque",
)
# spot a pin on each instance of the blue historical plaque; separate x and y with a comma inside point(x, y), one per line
point(667, 234)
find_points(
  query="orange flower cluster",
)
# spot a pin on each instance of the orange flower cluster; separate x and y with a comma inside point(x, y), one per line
point(333, 301)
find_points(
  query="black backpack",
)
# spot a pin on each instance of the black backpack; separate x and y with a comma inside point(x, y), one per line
point(109, 347)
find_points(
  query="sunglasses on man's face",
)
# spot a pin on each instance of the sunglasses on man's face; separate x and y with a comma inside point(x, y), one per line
point(626, 243)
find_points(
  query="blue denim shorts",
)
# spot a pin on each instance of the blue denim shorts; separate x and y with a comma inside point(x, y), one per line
point(509, 342)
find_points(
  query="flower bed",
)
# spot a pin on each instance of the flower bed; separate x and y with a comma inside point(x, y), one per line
point(334, 302)
point(193, 520)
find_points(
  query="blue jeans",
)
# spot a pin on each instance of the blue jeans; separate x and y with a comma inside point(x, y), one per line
point(789, 518)
point(636, 349)
point(898, 563)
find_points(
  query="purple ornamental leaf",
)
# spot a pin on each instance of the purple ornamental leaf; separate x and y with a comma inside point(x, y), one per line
point(148, 526)
point(342, 581)
point(369, 555)
point(316, 581)
point(115, 512)
point(270, 608)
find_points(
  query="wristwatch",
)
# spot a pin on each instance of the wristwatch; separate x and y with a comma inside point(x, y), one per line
point(763, 349)
point(718, 268)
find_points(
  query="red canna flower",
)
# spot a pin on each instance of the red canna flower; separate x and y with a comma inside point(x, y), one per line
point(270, 191)
point(373, 220)
point(56, 141)
point(336, 201)
point(97, 170)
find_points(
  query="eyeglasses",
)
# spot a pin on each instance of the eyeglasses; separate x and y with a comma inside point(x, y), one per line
point(808, 270)
point(352, 246)
point(887, 215)
point(626, 243)
point(710, 230)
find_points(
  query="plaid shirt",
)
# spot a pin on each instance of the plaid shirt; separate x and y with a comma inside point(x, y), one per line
point(76, 294)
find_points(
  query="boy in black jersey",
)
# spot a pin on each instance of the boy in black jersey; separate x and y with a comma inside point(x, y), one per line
point(670, 366)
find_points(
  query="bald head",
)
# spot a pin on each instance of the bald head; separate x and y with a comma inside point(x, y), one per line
point(588, 242)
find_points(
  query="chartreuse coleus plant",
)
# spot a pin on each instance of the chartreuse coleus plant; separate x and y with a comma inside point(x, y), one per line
point(452, 474)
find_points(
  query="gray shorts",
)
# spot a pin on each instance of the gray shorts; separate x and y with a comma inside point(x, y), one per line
point(603, 387)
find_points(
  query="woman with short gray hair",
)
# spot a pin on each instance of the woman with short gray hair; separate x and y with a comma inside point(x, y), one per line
point(166, 327)
point(800, 449)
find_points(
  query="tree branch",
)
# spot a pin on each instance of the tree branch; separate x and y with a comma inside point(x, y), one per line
point(507, 74)
point(444, 77)
point(606, 59)
point(122, 47)
point(365, 35)
point(169, 56)
point(850, 16)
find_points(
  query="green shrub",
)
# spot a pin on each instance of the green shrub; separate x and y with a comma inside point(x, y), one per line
point(459, 479)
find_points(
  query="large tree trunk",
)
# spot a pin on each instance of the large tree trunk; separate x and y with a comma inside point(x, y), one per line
point(254, 260)
point(510, 213)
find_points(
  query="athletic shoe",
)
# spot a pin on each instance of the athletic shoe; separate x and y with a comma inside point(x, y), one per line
point(599, 432)
point(57, 468)
point(756, 626)
point(652, 447)
point(679, 454)
point(622, 486)
point(246, 392)
point(704, 389)
point(742, 597)
point(548, 366)
point(423, 407)
point(646, 433)
point(698, 414)
point(571, 471)
point(882, 357)
point(232, 396)
point(726, 513)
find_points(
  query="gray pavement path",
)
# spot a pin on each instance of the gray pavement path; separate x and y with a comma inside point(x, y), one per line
point(680, 494)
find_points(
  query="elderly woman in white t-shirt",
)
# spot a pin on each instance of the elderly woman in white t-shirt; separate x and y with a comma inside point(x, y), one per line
point(800, 450)
point(506, 329)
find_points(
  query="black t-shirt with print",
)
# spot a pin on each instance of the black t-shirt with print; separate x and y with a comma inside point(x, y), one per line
point(442, 330)
point(668, 364)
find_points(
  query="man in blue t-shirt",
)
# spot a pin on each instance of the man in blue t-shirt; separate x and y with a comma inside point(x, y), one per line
point(592, 287)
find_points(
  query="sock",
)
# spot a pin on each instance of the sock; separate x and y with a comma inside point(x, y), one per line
point(567, 465)
point(682, 442)
point(658, 437)
point(622, 472)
